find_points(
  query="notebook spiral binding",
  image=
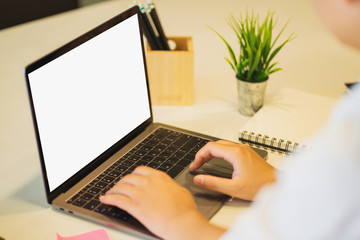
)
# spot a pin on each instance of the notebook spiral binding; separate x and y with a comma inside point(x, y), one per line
point(270, 143)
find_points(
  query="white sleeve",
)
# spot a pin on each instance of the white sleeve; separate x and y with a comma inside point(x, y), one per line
point(318, 195)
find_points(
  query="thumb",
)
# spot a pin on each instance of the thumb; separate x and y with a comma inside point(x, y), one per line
point(218, 184)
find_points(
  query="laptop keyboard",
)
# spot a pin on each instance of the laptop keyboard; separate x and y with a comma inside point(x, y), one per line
point(166, 150)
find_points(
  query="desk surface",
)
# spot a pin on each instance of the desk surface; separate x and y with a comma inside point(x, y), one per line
point(314, 62)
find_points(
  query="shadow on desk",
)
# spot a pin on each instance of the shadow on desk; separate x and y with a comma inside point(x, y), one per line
point(30, 197)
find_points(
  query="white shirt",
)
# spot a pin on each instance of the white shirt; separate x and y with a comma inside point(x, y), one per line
point(318, 194)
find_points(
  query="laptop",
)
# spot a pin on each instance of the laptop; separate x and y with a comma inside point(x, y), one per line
point(93, 121)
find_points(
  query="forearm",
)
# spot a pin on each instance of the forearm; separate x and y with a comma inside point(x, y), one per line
point(193, 225)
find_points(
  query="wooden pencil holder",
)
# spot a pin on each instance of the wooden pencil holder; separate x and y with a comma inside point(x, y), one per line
point(171, 73)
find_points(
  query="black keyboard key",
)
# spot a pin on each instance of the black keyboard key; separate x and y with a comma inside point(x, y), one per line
point(83, 190)
point(127, 163)
point(90, 184)
point(141, 163)
point(115, 173)
point(152, 143)
point(154, 165)
point(124, 158)
point(165, 154)
point(172, 149)
point(105, 189)
point(147, 158)
point(87, 196)
point(96, 179)
point(140, 152)
point(166, 142)
point(163, 132)
point(92, 204)
point(108, 179)
point(101, 184)
point(181, 140)
point(131, 151)
point(159, 160)
point(132, 168)
point(178, 155)
point(189, 157)
point(183, 150)
point(146, 147)
point(122, 168)
point(103, 174)
point(171, 137)
point(104, 209)
point(174, 171)
point(72, 199)
point(118, 214)
point(159, 148)
point(191, 144)
point(79, 202)
point(184, 162)
point(125, 216)
point(172, 160)
point(115, 164)
point(193, 151)
point(153, 153)
point(201, 144)
point(166, 165)
point(110, 168)
point(134, 158)
point(94, 190)
point(98, 195)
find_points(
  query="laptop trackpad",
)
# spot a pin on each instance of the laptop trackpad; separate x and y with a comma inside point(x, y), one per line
point(217, 167)
point(207, 201)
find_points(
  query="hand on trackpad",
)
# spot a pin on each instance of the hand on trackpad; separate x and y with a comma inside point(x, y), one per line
point(215, 167)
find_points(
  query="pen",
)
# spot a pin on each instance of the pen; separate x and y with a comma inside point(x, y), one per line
point(148, 30)
point(156, 21)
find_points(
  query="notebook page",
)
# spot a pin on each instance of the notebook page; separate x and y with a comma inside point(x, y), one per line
point(291, 115)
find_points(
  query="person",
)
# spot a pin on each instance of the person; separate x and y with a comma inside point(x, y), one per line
point(315, 197)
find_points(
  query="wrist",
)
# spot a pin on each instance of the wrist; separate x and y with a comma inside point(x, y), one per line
point(193, 225)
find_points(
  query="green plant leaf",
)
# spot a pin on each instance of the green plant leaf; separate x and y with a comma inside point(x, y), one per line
point(231, 52)
point(272, 65)
point(281, 31)
point(231, 64)
point(233, 23)
point(275, 70)
point(273, 54)
point(257, 47)
point(262, 77)
point(254, 64)
point(267, 38)
point(240, 76)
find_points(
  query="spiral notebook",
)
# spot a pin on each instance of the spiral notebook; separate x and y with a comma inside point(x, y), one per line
point(286, 121)
point(265, 141)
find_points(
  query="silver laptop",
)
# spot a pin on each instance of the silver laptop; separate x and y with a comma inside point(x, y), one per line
point(93, 121)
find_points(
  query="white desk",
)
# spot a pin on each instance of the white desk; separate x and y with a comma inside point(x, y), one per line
point(313, 62)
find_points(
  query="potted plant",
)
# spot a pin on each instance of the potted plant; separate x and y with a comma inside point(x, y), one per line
point(254, 63)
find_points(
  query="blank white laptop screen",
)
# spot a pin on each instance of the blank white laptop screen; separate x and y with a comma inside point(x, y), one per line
point(89, 98)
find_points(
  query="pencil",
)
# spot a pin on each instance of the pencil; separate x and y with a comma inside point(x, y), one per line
point(159, 28)
point(148, 31)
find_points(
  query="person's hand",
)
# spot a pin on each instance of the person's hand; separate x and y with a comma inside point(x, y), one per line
point(251, 172)
point(163, 206)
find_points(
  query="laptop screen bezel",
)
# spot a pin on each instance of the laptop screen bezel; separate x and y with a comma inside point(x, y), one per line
point(51, 195)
